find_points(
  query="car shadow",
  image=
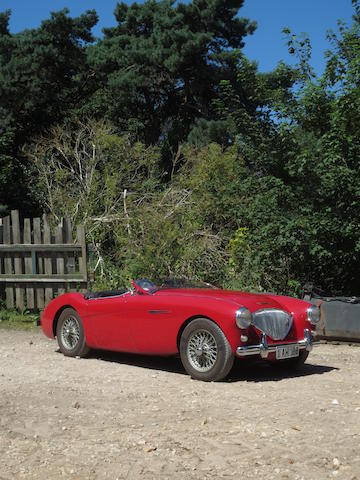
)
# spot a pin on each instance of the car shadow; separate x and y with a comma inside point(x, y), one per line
point(256, 370)
point(151, 362)
point(248, 370)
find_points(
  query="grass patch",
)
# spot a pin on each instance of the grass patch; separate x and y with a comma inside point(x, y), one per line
point(13, 320)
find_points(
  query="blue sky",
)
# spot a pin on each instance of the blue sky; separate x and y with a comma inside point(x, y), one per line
point(267, 45)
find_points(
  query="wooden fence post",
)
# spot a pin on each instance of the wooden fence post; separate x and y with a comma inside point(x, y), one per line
point(40, 303)
point(60, 263)
point(82, 260)
point(28, 263)
point(17, 258)
point(47, 258)
point(7, 263)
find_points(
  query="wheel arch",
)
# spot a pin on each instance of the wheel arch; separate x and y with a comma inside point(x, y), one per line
point(186, 323)
point(57, 316)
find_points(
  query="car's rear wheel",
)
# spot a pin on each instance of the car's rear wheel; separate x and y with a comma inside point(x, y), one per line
point(291, 363)
point(70, 334)
point(205, 351)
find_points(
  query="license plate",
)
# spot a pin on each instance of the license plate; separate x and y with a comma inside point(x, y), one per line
point(287, 351)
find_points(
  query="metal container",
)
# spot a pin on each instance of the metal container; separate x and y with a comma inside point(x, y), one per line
point(339, 318)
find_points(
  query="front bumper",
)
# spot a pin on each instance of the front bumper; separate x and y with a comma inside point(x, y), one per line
point(263, 349)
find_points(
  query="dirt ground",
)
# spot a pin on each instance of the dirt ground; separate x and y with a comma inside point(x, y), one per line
point(117, 416)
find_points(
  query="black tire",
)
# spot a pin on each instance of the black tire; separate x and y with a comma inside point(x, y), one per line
point(205, 351)
point(291, 363)
point(70, 334)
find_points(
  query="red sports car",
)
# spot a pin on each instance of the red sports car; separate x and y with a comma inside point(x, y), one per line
point(208, 327)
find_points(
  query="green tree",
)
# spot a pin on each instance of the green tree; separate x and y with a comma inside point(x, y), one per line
point(43, 74)
point(313, 167)
point(160, 67)
point(262, 169)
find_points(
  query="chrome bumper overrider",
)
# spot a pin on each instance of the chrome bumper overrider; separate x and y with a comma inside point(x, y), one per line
point(263, 349)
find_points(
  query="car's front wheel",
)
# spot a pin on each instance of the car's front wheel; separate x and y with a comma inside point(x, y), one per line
point(205, 351)
point(70, 334)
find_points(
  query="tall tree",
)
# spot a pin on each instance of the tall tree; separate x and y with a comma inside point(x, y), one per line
point(159, 68)
point(43, 73)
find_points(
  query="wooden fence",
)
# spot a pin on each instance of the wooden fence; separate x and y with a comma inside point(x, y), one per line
point(36, 264)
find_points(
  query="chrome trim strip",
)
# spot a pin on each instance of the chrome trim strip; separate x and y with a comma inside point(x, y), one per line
point(159, 312)
point(263, 349)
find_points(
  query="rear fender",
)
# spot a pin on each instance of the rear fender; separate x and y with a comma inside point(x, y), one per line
point(53, 310)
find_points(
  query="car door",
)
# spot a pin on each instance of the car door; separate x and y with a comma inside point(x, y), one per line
point(109, 323)
point(153, 323)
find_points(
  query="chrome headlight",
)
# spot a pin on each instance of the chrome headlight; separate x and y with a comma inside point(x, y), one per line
point(313, 314)
point(243, 317)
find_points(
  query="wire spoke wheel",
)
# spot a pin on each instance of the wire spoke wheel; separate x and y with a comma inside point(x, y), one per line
point(202, 350)
point(70, 333)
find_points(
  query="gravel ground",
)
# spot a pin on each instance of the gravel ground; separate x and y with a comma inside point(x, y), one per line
point(118, 416)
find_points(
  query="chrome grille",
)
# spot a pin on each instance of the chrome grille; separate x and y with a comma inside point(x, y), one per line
point(275, 323)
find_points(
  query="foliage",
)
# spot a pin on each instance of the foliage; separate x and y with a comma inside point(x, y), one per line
point(112, 186)
point(324, 167)
point(158, 70)
point(180, 157)
point(43, 74)
point(11, 319)
point(84, 170)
